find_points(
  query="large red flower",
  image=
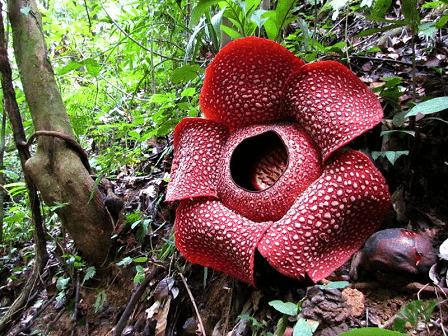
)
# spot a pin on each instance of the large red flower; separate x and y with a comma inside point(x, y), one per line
point(264, 169)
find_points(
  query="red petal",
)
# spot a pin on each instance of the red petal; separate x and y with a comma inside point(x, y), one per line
point(209, 234)
point(272, 203)
point(332, 104)
point(244, 84)
point(198, 147)
point(330, 220)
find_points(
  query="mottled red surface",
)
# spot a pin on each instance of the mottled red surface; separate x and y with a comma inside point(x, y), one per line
point(264, 171)
point(244, 85)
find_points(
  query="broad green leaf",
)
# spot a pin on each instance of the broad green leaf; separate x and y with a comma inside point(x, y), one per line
point(410, 12)
point(92, 66)
point(305, 327)
point(413, 313)
point(231, 32)
point(391, 156)
point(185, 73)
point(62, 283)
point(283, 12)
point(432, 4)
point(270, 25)
point(100, 300)
point(287, 308)
point(281, 326)
point(380, 9)
point(427, 30)
point(73, 65)
point(335, 285)
point(140, 259)
point(90, 273)
point(429, 107)
point(200, 9)
point(337, 5)
point(188, 92)
point(139, 275)
point(371, 332)
point(258, 17)
point(442, 21)
point(125, 261)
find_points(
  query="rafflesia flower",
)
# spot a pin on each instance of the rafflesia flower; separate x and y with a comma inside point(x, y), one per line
point(264, 172)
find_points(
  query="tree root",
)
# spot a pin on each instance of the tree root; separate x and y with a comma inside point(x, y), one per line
point(23, 300)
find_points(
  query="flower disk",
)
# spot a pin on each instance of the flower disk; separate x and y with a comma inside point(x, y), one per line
point(302, 167)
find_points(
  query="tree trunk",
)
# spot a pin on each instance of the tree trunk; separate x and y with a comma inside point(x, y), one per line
point(55, 168)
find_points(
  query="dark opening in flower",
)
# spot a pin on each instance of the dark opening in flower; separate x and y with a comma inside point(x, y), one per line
point(259, 161)
point(264, 170)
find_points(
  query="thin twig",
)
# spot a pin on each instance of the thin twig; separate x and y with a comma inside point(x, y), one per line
point(75, 310)
point(88, 16)
point(201, 325)
point(58, 316)
point(30, 322)
point(135, 297)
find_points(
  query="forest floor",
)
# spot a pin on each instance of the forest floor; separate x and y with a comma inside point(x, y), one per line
point(174, 297)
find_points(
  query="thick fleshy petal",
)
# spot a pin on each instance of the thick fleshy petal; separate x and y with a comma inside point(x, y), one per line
point(244, 84)
point(330, 220)
point(209, 234)
point(332, 104)
point(302, 167)
point(198, 144)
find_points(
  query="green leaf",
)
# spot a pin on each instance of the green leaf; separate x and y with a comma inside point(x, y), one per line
point(442, 21)
point(125, 261)
point(410, 12)
point(92, 66)
point(270, 25)
point(101, 298)
point(305, 327)
point(140, 259)
point(200, 9)
point(258, 17)
point(429, 107)
point(188, 92)
point(413, 313)
point(139, 275)
point(371, 332)
point(278, 18)
point(62, 283)
point(73, 65)
point(281, 326)
point(287, 308)
point(185, 73)
point(380, 9)
point(427, 30)
point(335, 285)
point(90, 273)
point(391, 156)
point(231, 32)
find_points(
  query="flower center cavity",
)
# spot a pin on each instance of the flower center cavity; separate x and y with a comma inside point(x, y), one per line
point(258, 162)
